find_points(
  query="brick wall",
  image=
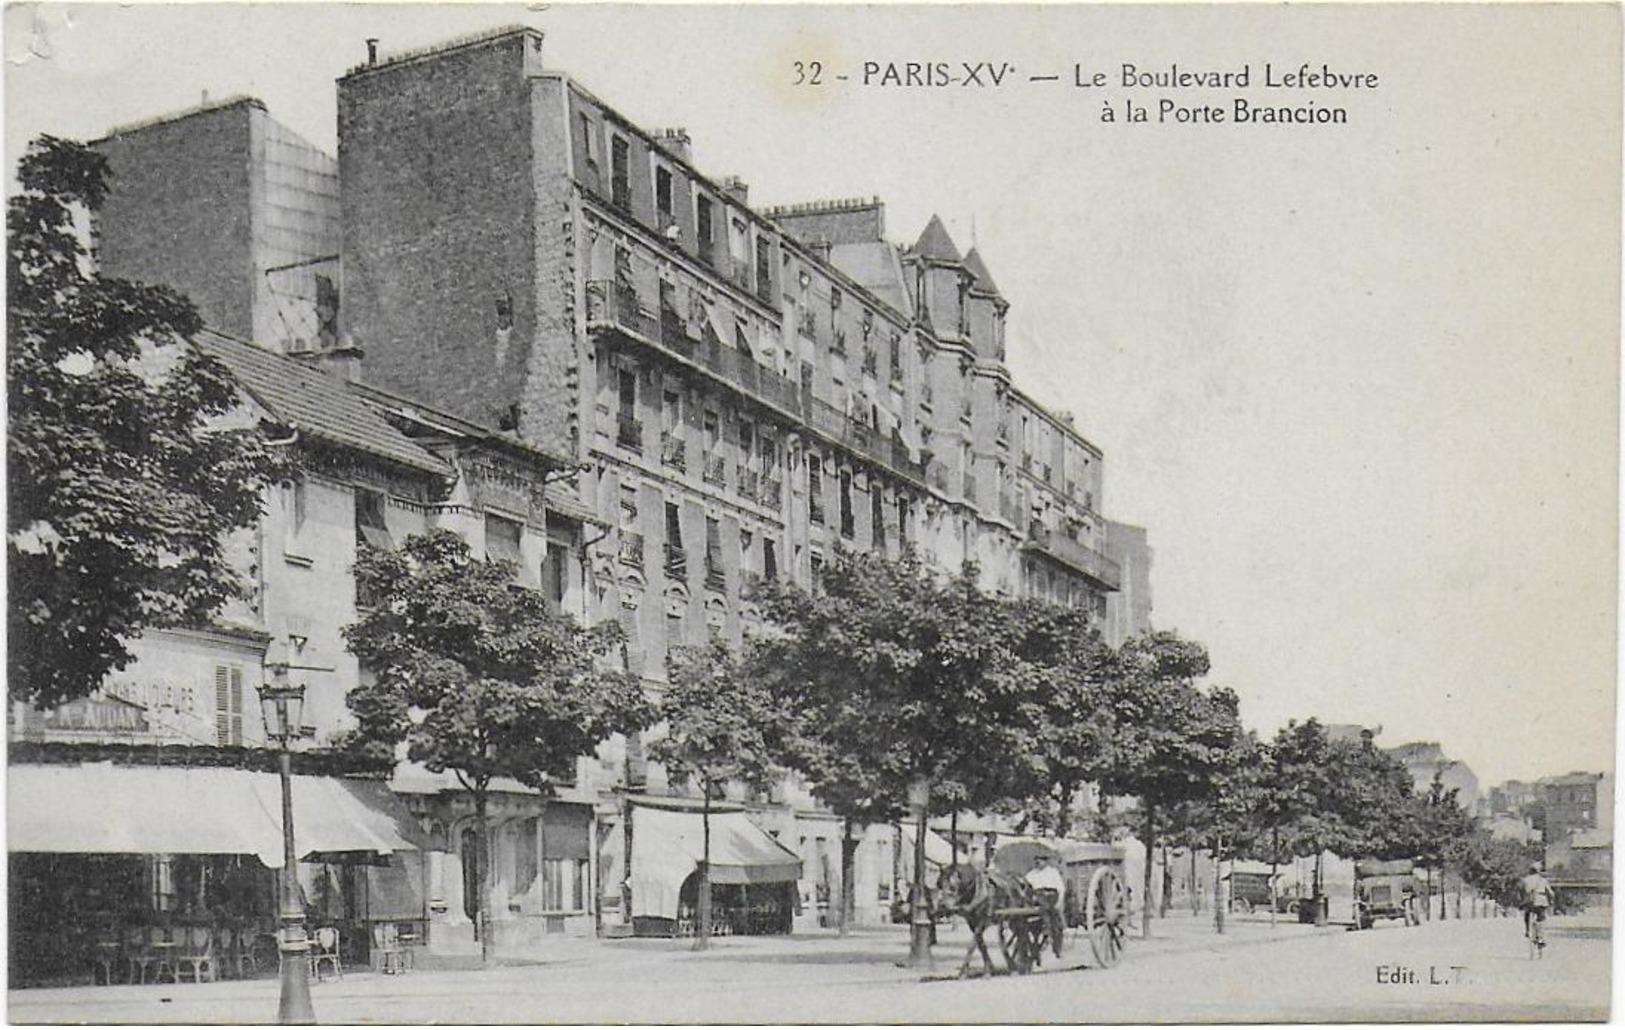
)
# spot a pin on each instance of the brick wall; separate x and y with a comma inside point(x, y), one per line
point(439, 239)
point(179, 210)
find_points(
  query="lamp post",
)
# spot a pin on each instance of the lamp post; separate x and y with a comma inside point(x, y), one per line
point(281, 704)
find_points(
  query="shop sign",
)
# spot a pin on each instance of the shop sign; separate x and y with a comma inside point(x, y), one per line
point(98, 714)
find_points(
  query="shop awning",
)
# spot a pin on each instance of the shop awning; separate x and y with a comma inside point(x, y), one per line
point(120, 809)
point(938, 850)
point(667, 846)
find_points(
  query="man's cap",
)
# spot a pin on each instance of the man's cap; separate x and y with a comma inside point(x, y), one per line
point(1534, 867)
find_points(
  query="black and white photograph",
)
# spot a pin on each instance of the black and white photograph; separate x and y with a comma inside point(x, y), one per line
point(811, 513)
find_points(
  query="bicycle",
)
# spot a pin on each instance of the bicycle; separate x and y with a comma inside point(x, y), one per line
point(1534, 928)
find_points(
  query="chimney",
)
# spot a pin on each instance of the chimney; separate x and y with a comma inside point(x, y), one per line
point(676, 143)
point(372, 51)
point(734, 189)
point(343, 359)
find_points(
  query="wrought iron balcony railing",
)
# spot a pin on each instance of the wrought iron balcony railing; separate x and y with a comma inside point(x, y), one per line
point(1074, 554)
point(673, 452)
point(630, 551)
point(629, 434)
point(676, 562)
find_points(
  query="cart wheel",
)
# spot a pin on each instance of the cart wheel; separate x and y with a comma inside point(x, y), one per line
point(1242, 906)
point(1105, 913)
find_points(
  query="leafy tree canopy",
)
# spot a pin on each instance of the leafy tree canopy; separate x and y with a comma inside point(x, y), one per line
point(721, 724)
point(122, 484)
point(477, 675)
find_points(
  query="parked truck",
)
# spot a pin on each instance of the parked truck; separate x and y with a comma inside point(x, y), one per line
point(1385, 890)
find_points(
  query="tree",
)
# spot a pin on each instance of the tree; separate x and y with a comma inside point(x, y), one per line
point(1495, 866)
point(478, 676)
point(721, 727)
point(1069, 727)
point(906, 675)
point(1438, 833)
point(123, 486)
point(1170, 741)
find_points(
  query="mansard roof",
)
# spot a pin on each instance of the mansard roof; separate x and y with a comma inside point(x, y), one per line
point(935, 244)
point(978, 270)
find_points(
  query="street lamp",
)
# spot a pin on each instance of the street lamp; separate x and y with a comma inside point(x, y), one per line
point(282, 703)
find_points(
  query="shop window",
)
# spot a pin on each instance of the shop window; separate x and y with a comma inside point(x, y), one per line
point(564, 882)
point(370, 527)
point(228, 705)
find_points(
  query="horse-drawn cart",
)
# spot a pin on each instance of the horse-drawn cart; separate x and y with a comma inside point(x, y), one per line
point(1095, 902)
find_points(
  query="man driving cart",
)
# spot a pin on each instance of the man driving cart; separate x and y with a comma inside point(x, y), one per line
point(1050, 887)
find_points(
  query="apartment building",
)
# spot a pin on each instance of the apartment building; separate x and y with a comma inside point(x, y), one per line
point(624, 378)
point(749, 389)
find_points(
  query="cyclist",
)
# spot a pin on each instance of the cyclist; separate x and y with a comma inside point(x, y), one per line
point(1537, 898)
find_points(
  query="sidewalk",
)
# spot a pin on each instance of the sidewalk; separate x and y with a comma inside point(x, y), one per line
point(577, 969)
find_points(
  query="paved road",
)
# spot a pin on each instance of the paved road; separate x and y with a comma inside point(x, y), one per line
point(1475, 970)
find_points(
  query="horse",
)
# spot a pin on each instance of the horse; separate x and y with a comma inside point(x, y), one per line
point(978, 894)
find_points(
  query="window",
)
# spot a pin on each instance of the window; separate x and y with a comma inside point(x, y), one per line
point(703, 229)
point(524, 857)
point(713, 430)
point(764, 268)
point(877, 516)
point(847, 521)
point(815, 563)
point(770, 558)
point(370, 527)
point(228, 705)
point(670, 409)
point(815, 489)
point(564, 884)
point(555, 572)
point(627, 384)
point(674, 526)
point(714, 576)
point(589, 140)
point(620, 173)
point(327, 312)
point(663, 195)
point(902, 521)
point(502, 540)
point(505, 310)
point(295, 499)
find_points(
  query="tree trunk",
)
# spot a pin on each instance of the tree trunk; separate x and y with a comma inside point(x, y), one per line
point(1193, 889)
point(1218, 887)
point(702, 932)
point(1150, 846)
point(919, 937)
point(1165, 894)
point(482, 878)
point(1063, 822)
point(849, 852)
point(1320, 887)
point(1275, 864)
point(1444, 886)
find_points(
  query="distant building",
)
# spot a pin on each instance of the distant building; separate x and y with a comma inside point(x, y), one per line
point(1128, 611)
point(1425, 760)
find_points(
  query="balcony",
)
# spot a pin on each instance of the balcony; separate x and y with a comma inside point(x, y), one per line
point(676, 562)
point(630, 550)
point(747, 481)
point(714, 470)
point(1059, 547)
point(862, 438)
point(629, 434)
point(673, 453)
point(771, 493)
point(714, 577)
point(611, 303)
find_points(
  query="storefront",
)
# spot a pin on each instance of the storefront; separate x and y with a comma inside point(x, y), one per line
point(114, 865)
point(753, 876)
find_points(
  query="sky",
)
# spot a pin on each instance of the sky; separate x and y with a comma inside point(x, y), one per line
point(1359, 381)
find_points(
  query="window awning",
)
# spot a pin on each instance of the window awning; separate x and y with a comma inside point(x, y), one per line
point(667, 846)
point(103, 808)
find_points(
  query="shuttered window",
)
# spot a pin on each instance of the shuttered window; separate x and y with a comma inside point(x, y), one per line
point(228, 705)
